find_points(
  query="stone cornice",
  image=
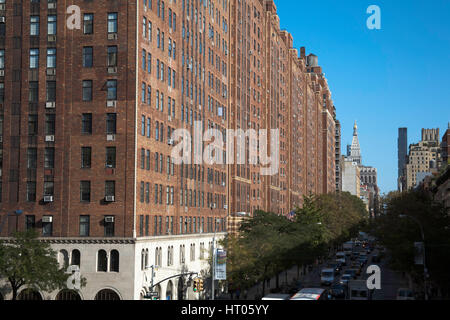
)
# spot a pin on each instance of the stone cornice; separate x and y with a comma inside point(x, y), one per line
point(79, 240)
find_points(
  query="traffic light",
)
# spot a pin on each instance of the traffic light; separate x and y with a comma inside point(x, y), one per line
point(200, 284)
point(196, 283)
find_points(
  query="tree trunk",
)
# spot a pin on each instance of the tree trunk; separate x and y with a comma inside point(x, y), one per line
point(14, 290)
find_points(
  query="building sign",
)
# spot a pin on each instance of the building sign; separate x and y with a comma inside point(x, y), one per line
point(220, 272)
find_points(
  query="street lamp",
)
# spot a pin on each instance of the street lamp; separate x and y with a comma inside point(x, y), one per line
point(425, 271)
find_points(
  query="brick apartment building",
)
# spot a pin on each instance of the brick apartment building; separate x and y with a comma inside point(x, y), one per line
point(86, 122)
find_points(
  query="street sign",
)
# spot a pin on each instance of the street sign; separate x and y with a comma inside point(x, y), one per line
point(220, 272)
point(150, 295)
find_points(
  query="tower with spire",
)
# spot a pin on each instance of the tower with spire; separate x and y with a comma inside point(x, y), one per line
point(354, 150)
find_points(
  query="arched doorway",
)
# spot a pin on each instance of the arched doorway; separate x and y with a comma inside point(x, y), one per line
point(180, 287)
point(29, 294)
point(169, 290)
point(107, 294)
point(158, 290)
point(68, 295)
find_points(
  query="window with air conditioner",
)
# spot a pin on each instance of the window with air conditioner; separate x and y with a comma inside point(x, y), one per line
point(110, 191)
point(47, 226)
point(109, 226)
point(110, 157)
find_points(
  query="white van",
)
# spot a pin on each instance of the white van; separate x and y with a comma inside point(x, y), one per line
point(327, 277)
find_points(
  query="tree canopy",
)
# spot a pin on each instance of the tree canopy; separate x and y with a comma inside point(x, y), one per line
point(26, 261)
point(269, 243)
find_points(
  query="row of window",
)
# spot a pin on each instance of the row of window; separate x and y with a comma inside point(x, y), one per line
point(186, 225)
point(170, 255)
point(86, 124)
point(84, 225)
point(102, 259)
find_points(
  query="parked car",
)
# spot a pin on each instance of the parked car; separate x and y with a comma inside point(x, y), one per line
point(337, 291)
point(351, 272)
point(345, 278)
point(336, 266)
point(405, 294)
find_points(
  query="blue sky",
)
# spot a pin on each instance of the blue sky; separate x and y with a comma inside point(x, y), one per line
point(385, 79)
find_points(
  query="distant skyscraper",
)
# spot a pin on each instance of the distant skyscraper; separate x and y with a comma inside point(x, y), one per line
point(402, 147)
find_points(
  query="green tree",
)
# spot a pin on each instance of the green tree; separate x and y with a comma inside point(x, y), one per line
point(399, 234)
point(26, 261)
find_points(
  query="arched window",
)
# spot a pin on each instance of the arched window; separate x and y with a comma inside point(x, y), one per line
point(102, 261)
point(107, 294)
point(76, 257)
point(63, 258)
point(114, 261)
point(29, 294)
point(156, 256)
point(68, 295)
point(146, 258)
point(142, 259)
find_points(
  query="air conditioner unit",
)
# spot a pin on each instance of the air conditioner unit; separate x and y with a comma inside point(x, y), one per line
point(111, 137)
point(112, 69)
point(51, 38)
point(112, 36)
point(109, 219)
point(225, 206)
point(2, 19)
point(170, 118)
point(111, 103)
point(170, 142)
point(223, 184)
point(2, 73)
point(51, 71)
point(52, 5)
point(50, 138)
point(1, 138)
point(47, 219)
point(48, 198)
point(50, 105)
point(109, 199)
point(189, 66)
